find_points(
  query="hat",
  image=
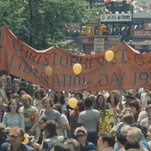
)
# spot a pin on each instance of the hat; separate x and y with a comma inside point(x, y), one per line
point(129, 95)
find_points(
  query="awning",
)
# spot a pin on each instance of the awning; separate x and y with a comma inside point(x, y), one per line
point(139, 42)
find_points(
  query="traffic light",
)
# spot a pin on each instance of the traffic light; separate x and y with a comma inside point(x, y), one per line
point(91, 30)
point(88, 30)
point(85, 30)
point(103, 30)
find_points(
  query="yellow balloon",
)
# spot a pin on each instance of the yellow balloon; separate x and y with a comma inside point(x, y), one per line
point(72, 102)
point(77, 68)
point(48, 70)
point(26, 139)
point(109, 55)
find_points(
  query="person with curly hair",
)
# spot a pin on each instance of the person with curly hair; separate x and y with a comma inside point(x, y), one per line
point(40, 93)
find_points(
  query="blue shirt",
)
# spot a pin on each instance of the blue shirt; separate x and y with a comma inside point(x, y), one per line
point(89, 146)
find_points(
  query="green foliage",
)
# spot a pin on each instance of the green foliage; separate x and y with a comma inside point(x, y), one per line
point(41, 23)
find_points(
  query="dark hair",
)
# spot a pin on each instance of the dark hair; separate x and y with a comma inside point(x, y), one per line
point(97, 104)
point(61, 147)
point(41, 91)
point(128, 118)
point(121, 137)
point(116, 99)
point(131, 144)
point(57, 100)
point(58, 107)
point(88, 102)
point(134, 103)
point(22, 89)
point(43, 118)
point(79, 94)
point(9, 103)
point(8, 92)
point(50, 126)
point(108, 137)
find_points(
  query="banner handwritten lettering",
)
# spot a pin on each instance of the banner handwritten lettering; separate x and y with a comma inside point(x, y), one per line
point(128, 69)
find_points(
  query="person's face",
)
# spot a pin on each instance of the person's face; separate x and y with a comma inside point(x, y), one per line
point(128, 100)
point(13, 106)
point(41, 124)
point(147, 89)
point(16, 84)
point(15, 138)
point(101, 144)
point(59, 94)
point(22, 92)
point(10, 94)
point(100, 100)
point(112, 99)
point(39, 95)
point(81, 137)
point(133, 110)
point(46, 104)
point(26, 102)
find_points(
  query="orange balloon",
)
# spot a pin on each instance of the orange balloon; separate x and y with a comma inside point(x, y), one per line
point(77, 68)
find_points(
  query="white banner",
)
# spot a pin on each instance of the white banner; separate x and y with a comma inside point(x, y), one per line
point(116, 17)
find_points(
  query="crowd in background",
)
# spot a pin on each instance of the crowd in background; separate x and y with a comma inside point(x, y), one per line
point(35, 118)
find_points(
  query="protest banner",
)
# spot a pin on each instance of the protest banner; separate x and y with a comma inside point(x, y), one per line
point(127, 70)
point(107, 121)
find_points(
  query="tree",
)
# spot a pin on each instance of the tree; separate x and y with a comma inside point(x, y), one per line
point(41, 23)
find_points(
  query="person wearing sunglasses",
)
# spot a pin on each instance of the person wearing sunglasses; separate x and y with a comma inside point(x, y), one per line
point(16, 137)
point(81, 135)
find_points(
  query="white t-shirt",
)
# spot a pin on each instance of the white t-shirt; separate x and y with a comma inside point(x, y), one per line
point(89, 118)
point(64, 121)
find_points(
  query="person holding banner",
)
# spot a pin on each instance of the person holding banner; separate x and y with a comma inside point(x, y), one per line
point(101, 104)
point(113, 101)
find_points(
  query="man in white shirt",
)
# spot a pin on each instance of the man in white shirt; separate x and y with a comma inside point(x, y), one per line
point(144, 98)
point(89, 118)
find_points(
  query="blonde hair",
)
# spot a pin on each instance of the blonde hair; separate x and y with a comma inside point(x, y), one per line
point(80, 129)
point(27, 96)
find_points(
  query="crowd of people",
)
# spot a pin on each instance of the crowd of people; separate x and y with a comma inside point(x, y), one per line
point(33, 118)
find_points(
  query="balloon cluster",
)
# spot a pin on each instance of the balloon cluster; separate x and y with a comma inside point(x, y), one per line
point(109, 55)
